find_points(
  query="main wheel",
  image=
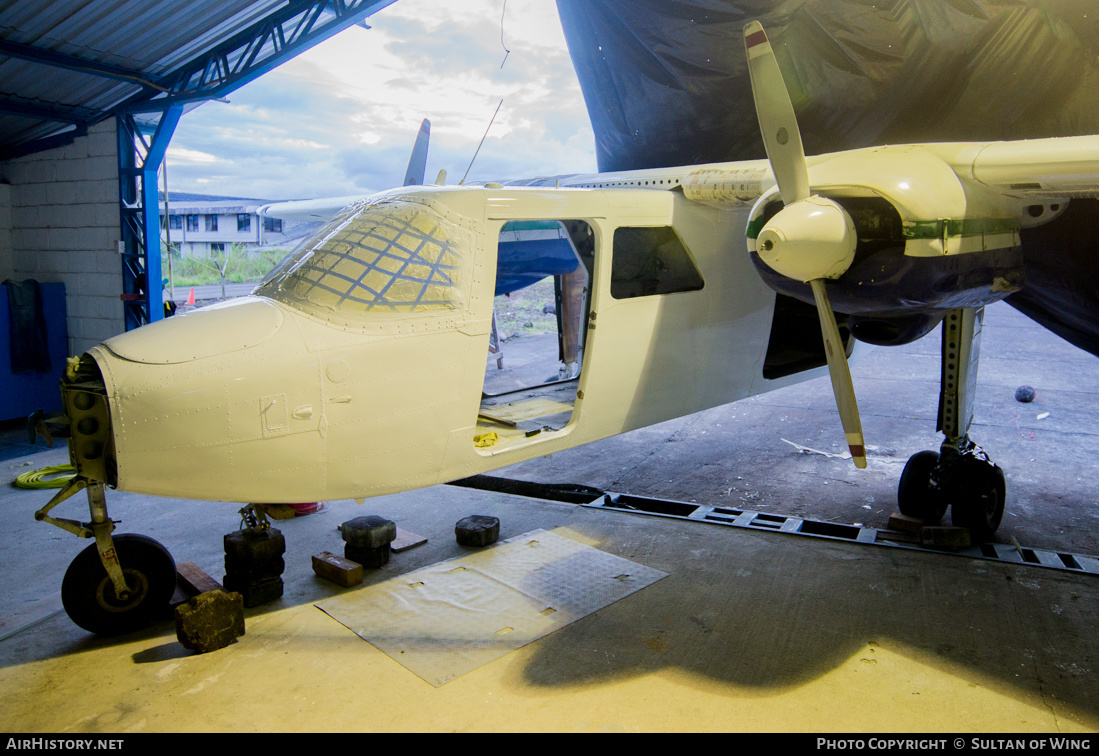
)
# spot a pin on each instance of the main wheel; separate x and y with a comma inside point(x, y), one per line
point(88, 594)
point(978, 504)
point(915, 495)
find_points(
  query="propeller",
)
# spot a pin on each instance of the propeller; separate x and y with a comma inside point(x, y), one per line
point(812, 238)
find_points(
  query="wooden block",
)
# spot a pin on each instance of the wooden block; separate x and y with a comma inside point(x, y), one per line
point(337, 569)
point(405, 540)
point(194, 580)
point(904, 523)
point(953, 539)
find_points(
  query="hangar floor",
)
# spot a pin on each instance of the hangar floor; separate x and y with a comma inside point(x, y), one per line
point(749, 631)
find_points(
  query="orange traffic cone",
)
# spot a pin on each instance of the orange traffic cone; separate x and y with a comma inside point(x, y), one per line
point(191, 297)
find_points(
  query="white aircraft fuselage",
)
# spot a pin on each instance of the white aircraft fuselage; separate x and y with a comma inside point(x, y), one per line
point(279, 398)
point(308, 390)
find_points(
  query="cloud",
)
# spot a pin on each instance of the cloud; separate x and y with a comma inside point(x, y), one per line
point(341, 118)
point(181, 155)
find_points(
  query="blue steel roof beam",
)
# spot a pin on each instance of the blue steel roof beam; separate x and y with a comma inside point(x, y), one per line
point(74, 63)
point(269, 38)
point(30, 110)
point(264, 45)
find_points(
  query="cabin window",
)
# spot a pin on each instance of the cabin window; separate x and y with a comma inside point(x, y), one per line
point(211, 223)
point(392, 256)
point(648, 261)
point(244, 222)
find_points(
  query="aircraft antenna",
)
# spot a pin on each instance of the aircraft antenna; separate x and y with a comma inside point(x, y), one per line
point(507, 52)
point(463, 181)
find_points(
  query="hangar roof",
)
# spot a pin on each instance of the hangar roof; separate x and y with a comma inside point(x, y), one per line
point(67, 64)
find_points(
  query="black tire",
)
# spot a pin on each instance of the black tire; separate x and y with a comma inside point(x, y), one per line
point(88, 595)
point(979, 506)
point(915, 495)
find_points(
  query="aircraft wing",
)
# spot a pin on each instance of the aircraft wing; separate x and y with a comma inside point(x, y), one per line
point(1062, 282)
point(308, 210)
point(1063, 167)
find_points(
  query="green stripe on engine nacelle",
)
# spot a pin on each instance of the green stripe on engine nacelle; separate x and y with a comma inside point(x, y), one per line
point(754, 227)
point(949, 227)
point(930, 229)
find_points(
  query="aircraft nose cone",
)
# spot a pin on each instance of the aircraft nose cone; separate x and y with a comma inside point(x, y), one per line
point(811, 239)
point(231, 326)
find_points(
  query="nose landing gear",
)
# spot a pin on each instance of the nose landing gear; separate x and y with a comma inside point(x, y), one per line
point(118, 584)
point(91, 599)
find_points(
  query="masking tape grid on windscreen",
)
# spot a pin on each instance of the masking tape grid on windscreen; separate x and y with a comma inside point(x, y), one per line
point(437, 271)
point(401, 256)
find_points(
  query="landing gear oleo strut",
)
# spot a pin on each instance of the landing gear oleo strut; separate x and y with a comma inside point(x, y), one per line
point(960, 475)
point(120, 583)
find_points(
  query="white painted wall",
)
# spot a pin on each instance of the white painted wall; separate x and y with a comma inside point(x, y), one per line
point(64, 226)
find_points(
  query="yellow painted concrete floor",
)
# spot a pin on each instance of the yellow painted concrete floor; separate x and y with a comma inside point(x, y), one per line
point(750, 631)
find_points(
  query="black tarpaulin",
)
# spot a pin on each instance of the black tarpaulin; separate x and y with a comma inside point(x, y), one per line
point(666, 83)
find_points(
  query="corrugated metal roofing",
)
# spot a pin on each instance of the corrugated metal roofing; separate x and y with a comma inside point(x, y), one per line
point(152, 42)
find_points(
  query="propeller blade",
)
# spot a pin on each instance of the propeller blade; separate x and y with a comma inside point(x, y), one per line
point(777, 122)
point(809, 239)
point(840, 373)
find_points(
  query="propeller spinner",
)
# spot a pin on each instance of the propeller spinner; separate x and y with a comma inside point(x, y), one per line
point(812, 238)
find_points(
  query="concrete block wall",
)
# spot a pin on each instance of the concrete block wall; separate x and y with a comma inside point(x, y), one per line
point(60, 222)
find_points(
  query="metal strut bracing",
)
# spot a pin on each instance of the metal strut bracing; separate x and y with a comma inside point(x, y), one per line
point(257, 49)
point(247, 55)
point(251, 52)
point(139, 160)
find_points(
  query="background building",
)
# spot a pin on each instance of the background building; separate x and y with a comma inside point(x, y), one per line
point(201, 225)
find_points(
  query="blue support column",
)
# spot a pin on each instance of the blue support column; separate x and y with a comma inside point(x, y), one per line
point(139, 206)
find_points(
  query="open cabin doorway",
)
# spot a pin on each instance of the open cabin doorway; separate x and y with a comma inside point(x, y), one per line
point(539, 323)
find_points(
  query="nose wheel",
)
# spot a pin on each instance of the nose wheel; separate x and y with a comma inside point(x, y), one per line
point(118, 584)
point(92, 601)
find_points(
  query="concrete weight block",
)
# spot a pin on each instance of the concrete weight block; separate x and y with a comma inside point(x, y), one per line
point(210, 621)
point(477, 530)
point(369, 532)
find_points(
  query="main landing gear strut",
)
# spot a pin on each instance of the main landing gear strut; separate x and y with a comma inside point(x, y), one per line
point(960, 475)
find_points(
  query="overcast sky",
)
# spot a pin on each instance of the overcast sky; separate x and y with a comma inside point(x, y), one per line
point(341, 118)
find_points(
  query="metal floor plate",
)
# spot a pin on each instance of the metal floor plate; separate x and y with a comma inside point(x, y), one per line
point(765, 521)
point(743, 518)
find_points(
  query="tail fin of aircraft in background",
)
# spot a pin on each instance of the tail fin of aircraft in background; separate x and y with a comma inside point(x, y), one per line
point(417, 161)
point(323, 209)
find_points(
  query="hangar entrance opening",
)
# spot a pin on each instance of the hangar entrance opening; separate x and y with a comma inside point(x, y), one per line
point(540, 313)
